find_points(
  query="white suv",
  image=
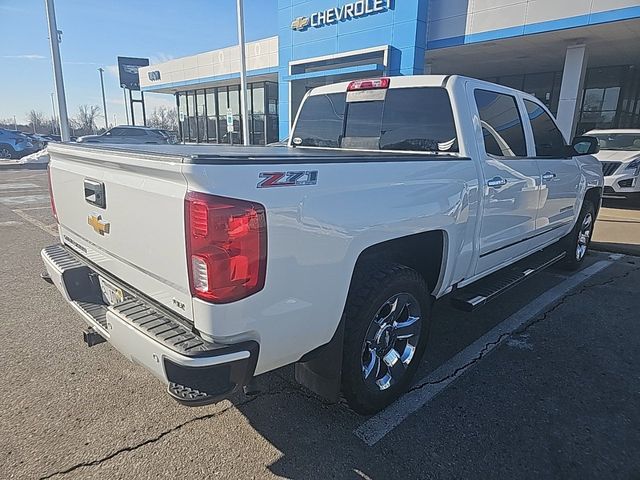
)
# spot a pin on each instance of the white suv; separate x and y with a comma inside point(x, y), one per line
point(620, 157)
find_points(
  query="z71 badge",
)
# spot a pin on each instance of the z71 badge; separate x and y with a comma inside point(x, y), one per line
point(288, 179)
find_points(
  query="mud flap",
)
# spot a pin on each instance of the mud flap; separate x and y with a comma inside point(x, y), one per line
point(320, 370)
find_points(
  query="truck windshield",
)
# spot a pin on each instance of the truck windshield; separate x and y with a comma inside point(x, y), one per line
point(618, 141)
point(415, 119)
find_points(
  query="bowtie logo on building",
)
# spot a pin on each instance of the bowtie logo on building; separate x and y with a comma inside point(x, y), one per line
point(300, 23)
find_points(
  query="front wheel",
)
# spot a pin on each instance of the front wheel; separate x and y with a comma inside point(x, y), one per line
point(6, 151)
point(386, 329)
point(578, 241)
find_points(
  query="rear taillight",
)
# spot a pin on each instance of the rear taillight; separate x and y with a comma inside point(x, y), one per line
point(53, 202)
point(369, 84)
point(226, 247)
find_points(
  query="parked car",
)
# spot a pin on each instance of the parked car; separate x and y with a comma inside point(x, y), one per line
point(211, 265)
point(126, 134)
point(620, 157)
point(37, 140)
point(14, 144)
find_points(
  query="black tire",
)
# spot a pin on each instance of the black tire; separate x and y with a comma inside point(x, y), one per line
point(573, 241)
point(370, 292)
point(7, 151)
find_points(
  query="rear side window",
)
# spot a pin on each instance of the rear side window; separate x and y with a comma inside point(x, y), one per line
point(414, 119)
point(502, 129)
point(135, 132)
point(546, 135)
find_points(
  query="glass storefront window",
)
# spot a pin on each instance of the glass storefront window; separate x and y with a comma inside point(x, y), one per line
point(201, 111)
point(602, 95)
point(257, 99)
point(191, 108)
point(182, 116)
point(234, 100)
point(272, 98)
point(223, 104)
point(204, 114)
point(211, 102)
point(212, 130)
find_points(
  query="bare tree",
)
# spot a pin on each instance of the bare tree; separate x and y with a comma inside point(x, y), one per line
point(85, 120)
point(37, 121)
point(163, 117)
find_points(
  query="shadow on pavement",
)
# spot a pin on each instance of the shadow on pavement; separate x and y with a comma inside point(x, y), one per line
point(316, 439)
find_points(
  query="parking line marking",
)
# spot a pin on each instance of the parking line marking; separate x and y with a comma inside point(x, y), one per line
point(50, 229)
point(23, 199)
point(18, 186)
point(36, 208)
point(376, 427)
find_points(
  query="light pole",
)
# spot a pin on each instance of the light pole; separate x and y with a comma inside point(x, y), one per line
point(243, 75)
point(55, 117)
point(126, 108)
point(104, 102)
point(54, 39)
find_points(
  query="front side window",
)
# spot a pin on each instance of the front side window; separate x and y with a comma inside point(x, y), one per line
point(502, 129)
point(546, 135)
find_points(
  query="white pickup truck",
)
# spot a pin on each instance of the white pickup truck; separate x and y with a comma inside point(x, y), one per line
point(210, 265)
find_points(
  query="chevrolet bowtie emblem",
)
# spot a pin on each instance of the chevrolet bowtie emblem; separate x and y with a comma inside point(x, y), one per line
point(300, 23)
point(99, 225)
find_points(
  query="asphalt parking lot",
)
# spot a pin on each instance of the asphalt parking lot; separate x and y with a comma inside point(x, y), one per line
point(543, 383)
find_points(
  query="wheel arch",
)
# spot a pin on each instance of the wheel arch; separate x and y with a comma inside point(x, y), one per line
point(594, 195)
point(424, 252)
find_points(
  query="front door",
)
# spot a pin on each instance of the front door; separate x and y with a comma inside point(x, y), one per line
point(560, 173)
point(511, 179)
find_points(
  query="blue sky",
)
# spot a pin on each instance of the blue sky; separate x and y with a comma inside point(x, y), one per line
point(95, 32)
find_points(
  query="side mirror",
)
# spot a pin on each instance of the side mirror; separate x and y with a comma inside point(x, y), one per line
point(584, 145)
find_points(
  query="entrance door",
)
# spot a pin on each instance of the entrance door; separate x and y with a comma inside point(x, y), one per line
point(511, 180)
point(560, 173)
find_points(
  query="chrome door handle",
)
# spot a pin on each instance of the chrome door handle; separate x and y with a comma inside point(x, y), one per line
point(548, 176)
point(497, 182)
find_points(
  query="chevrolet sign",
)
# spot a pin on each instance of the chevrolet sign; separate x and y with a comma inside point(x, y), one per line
point(348, 11)
point(154, 75)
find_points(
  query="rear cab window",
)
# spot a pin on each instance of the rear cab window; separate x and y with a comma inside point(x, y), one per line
point(409, 119)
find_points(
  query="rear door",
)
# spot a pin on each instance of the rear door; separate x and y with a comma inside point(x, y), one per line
point(560, 172)
point(511, 179)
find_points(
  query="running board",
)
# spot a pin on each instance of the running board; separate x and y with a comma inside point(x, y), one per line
point(477, 294)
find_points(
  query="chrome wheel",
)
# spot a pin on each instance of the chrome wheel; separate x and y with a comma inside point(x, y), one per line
point(5, 152)
point(391, 341)
point(583, 236)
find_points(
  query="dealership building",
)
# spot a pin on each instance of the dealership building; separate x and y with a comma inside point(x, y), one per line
point(580, 57)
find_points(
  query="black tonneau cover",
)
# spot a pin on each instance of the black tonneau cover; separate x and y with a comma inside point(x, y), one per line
point(216, 154)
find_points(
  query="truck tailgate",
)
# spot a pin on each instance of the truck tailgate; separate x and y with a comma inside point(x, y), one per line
point(137, 232)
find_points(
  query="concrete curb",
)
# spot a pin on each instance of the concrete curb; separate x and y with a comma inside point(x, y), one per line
point(625, 248)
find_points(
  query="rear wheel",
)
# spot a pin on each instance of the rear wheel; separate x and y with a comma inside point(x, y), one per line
point(386, 329)
point(578, 241)
point(6, 151)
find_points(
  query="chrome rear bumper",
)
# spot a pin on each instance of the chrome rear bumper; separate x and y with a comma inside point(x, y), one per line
point(196, 372)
